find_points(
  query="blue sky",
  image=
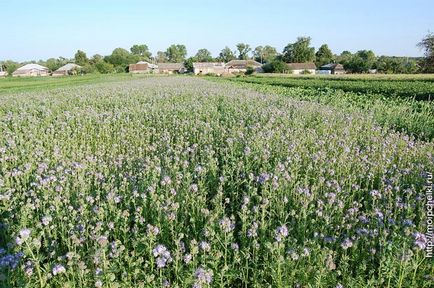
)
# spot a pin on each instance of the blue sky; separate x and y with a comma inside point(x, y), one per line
point(42, 29)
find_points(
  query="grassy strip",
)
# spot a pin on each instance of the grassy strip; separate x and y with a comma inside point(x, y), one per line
point(8, 85)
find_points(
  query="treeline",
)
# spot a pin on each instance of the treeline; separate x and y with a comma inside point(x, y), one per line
point(299, 51)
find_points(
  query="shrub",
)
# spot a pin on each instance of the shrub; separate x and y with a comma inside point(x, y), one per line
point(250, 71)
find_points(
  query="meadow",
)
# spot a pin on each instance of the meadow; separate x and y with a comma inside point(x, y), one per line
point(186, 182)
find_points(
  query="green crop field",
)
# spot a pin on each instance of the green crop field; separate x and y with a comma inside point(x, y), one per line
point(403, 104)
point(418, 88)
point(124, 181)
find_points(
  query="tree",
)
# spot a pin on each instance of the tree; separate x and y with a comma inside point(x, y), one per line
point(203, 55)
point(226, 55)
point(243, 50)
point(276, 66)
point(361, 62)
point(299, 52)
point(121, 58)
point(104, 67)
point(176, 53)
point(427, 44)
point(142, 51)
point(264, 54)
point(249, 71)
point(396, 65)
point(188, 64)
point(323, 56)
point(161, 57)
point(81, 58)
point(10, 66)
point(96, 59)
point(344, 58)
point(53, 64)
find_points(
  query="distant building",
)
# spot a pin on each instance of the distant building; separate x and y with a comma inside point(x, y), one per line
point(332, 68)
point(237, 66)
point(202, 68)
point(142, 67)
point(68, 69)
point(171, 68)
point(302, 68)
point(2, 72)
point(31, 70)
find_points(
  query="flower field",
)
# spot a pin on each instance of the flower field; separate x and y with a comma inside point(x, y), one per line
point(184, 182)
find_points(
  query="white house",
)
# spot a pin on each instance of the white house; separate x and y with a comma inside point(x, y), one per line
point(237, 66)
point(202, 68)
point(31, 70)
point(302, 68)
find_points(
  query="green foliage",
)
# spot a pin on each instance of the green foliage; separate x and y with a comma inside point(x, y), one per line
point(88, 69)
point(104, 67)
point(53, 64)
point(407, 89)
point(10, 66)
point(299, 52)
point(396, 65)
point(142, 51)
point(427, 44)
point(121, 58)
point(361, 62)
point(161, 57)
point(323, 56)
point(176, 53)
point(203, 55)
point(264, 54)
point(249, 71)
point(81, 58)
point(96, 59)
point(276, 66)
point(391, 102)
point(344, 58)
point(188, 63)
point(243, 51)
point(226, 55)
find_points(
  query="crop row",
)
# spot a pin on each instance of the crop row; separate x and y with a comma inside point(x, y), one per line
point(405, 115)
point(418, 90)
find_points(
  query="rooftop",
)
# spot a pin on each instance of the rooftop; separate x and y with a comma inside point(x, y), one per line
point(32, 66)
point(301, 66)
point(68, 67)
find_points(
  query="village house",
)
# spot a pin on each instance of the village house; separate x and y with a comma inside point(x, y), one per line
point(171, 68)
point(332, 68)
point(142, 67)
point(2, 72)
point(240, 66)
point(67, 69)
point(203, 68)
point(302, 68)
point(31, 70)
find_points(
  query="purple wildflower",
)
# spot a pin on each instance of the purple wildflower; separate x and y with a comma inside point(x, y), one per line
point(226, 224)
point(347, 243)
point(420, 240)
point(58, 269)
point(202, 277)
point(280, 233)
